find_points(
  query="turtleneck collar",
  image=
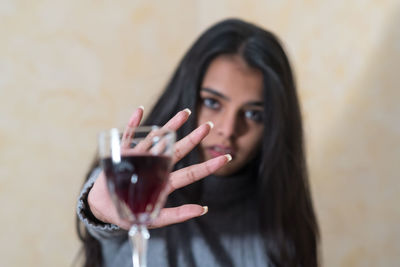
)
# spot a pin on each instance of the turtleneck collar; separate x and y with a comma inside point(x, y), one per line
point(218, 190)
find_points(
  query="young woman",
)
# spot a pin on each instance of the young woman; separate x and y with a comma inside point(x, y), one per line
point(260, 212)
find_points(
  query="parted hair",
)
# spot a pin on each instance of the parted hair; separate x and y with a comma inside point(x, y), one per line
point(288, 222)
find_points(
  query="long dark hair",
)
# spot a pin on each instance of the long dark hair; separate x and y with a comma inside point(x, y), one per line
point(287, 217)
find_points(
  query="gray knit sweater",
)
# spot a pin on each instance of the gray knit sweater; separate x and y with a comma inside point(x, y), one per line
point(228, 235)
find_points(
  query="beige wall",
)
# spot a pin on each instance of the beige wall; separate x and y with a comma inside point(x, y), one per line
point(69, 68)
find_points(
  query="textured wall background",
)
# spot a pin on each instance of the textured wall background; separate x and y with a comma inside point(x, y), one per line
point(71, 68)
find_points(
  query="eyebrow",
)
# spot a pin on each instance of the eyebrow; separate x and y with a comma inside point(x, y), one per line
point(255, 103)
point(213, 92)
point(216, 93)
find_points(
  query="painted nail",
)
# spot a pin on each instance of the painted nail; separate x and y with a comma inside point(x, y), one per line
point(228, 156)
point(211, 124)
point(187, 111)
point(141, 107)
point(205, 210)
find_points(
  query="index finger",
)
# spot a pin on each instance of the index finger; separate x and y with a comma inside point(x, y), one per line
point(186, 144)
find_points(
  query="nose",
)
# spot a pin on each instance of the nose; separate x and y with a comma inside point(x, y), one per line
point(228, 125)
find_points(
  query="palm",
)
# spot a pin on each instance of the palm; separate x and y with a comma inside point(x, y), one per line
point(100, 201)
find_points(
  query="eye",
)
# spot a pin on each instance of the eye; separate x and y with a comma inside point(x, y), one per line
point(211, 103)
point(254, 115)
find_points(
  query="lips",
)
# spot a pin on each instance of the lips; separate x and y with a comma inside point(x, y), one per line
point(219, 150)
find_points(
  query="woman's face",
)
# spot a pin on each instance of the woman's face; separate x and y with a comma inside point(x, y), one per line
point(231, 97)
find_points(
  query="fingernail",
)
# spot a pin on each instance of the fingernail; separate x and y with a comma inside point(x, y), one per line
point(228, 156)
point(141, 107)
point(187, 111)
point(211, 124)
point(205, 210)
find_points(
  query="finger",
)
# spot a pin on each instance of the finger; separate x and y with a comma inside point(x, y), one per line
point(134, 121)
point(191, 174)
point(178, 214)
point(160, 147)
point(173, 124)
point(178, 120)
point(147, 142)
point(136, 117)
point(185, 145)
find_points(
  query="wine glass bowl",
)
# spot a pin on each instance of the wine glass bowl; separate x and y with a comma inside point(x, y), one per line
point(137, 163)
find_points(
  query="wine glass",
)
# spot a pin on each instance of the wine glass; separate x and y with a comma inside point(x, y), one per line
point(137, 163)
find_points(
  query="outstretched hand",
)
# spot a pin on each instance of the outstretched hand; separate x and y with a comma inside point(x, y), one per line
point(100, 202)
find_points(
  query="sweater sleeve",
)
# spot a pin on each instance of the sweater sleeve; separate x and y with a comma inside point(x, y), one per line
point(98, 229)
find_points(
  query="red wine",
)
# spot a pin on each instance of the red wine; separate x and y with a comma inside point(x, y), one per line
point(138, 180)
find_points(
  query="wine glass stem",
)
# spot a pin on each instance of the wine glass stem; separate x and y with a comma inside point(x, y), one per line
point(139, 236)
